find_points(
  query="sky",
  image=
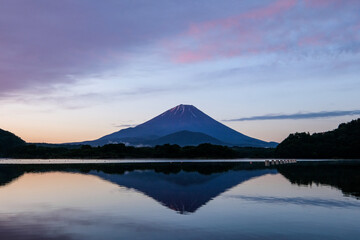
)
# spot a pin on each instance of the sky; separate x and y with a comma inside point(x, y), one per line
point(76, 70)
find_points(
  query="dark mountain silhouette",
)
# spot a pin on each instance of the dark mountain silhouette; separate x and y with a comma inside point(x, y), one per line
point(9, 141)
point(343, 142)
point(177, 119)
point(186, 138)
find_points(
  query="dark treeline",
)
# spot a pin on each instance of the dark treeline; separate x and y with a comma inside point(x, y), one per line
point(9, 172)
point(120, 151)
point(343, 142)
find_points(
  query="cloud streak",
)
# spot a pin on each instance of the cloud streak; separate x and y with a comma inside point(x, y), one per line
point(125, 125)
point(297, 116)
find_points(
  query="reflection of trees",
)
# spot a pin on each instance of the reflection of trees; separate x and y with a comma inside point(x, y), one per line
point(8, 173)
point(342, 175)
point(167, 168)
point(185, 187)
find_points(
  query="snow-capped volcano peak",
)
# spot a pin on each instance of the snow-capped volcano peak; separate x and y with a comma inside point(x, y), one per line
point(183, 118)
point(181, 110)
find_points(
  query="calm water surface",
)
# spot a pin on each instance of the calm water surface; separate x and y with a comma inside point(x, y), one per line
point(306, 200)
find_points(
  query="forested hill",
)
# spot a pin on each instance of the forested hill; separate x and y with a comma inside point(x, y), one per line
point(343, 142)
point(9, 141)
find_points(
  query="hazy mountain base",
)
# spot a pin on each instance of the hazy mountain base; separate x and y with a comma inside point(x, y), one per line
point(120, 151)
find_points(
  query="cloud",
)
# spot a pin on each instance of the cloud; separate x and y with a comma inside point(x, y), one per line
point(44, 43)
point(326, 3)
point(228, 37)
point(296, 116)
point(124, 125)
point(47, 45)
point(275, 27)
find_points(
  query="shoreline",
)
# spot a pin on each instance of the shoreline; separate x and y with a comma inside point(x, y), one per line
point(4, 161)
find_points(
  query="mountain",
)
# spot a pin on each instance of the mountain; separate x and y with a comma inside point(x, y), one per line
point(186, 138)
point(343, 142)
point(177, 119)
point(183, 192)
point(9, 141)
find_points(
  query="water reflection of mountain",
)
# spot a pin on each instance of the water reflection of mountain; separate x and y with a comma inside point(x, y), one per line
point(184, 192)
point(185, 187)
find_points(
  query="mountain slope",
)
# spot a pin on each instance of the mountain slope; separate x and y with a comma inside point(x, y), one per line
point(186, 138)
point(9, 141)
point(180, 118)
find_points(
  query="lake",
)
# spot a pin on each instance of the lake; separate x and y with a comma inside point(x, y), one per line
point(180, 200)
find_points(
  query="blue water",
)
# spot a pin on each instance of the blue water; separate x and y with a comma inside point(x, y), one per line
point(309, 200)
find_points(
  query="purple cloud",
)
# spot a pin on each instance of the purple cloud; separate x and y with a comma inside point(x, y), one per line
point(47, 42)
point(44, 44)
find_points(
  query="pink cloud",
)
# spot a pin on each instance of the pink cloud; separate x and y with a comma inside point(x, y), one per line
point(319, 3)
point(186, 57)
point(327, 3)
point(283, 25)
point(276, 8)
point(227, 37)
point(357, 27)
point(271, 10)
point(315, 40)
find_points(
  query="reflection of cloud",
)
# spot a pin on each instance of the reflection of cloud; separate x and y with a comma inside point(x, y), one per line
point(324, 114)
point(299, 201)
point(40, 226)
point(13, 229)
